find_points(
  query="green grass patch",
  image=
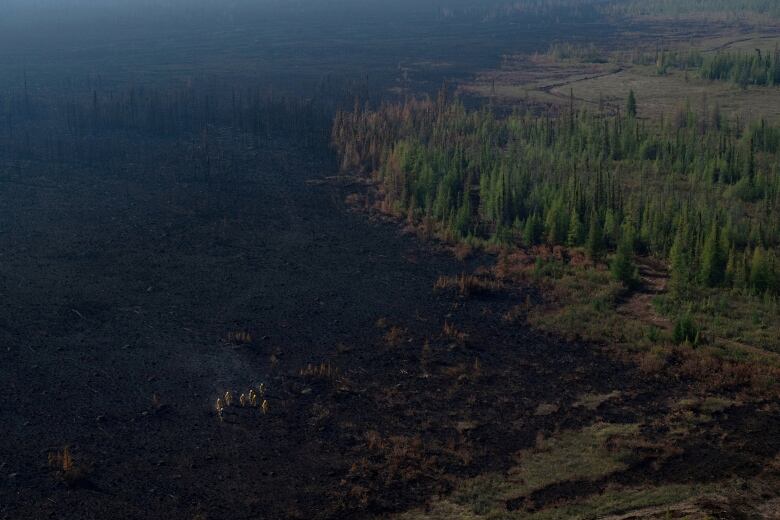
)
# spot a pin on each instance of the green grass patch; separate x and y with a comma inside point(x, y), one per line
point(666, 499)
point(570, 456)
point(593, 401)
point(618, 501)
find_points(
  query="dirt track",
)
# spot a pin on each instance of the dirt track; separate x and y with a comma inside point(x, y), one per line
point(115, 291)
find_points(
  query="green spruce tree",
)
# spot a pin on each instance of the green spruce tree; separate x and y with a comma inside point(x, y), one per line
point(623, 268)
point(631, 104)
point(595, 243)
point(760, 271)
point(732, 264)
point(713, 264)
point(680, 260)
point(576, 233)
point(531, 231)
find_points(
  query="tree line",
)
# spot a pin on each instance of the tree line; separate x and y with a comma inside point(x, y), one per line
point(758, 68)
point(697, 190)
point(736, 8)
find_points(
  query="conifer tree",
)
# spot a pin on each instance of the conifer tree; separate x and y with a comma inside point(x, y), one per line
point(760, 271)
point(623, 268)
point(631, 104)
point(531, 234)
point(680, 268)
point(575, 230)
point(713, 266)
point(732, 265)
point(555, 224)
point(595, 243)
point(610, 228)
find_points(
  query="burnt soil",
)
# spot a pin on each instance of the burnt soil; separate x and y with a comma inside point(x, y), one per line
point(119, 298)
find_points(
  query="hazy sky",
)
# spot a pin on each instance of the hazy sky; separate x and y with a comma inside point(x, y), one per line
point(56, 40)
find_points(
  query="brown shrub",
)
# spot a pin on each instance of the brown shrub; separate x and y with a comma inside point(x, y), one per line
point(240, 337)
point(464, 371)
point(428, 228)
point(468, 284)
point(324, 370)
point(395, 336)
point(450, 331)
point(355, 200)
point(374, 441)
point(652, 362)
point(578, 258)
point(514, 265)
point(66, 467)
point(713, 373)
point(462, 251)
point(62, 460)
point(559, 253)
point(396, 458)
